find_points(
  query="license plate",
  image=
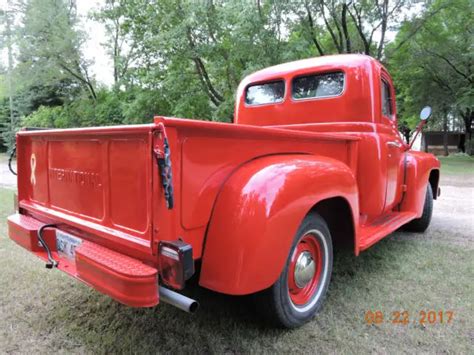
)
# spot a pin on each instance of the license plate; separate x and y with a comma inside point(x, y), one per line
point(66, 244)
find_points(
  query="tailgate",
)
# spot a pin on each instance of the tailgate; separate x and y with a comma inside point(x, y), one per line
point(96, 179)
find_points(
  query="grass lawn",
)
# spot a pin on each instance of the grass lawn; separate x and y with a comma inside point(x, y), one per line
point(457, 164)
point(45, 311)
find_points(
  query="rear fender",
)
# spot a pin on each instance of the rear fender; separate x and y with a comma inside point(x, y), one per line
point(258, 212)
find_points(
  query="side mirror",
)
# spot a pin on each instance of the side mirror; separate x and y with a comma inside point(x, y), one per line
point(425, 113)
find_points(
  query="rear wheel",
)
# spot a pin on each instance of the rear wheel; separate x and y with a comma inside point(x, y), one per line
point(299, 292)
point(419, 225)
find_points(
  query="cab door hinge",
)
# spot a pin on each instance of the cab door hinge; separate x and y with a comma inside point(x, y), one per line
point(163, 160)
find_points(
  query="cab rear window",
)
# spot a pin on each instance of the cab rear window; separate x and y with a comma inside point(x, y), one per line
point(265, 93)
point(318, 85)
point(386, 100)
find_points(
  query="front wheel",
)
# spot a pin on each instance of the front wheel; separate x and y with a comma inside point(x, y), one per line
point(419, 225)
point(299, 292)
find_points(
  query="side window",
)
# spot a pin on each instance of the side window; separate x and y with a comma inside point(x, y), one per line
point(265, 93)
point(318, 85)
point(386, 100)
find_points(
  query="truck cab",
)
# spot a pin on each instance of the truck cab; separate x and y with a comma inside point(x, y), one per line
point(349, 94)
point(312, 162)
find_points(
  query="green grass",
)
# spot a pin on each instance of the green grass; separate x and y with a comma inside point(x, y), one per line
point(457, 164)
point(45, 311)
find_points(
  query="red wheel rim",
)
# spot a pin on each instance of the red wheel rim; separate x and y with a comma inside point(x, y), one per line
point(308, 246)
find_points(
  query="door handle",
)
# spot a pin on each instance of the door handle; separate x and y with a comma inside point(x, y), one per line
point(394, 144)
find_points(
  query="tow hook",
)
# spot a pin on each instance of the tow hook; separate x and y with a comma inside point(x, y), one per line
point(51, 262)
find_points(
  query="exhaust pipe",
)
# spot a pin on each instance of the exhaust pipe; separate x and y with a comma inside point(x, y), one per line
point(178, 300)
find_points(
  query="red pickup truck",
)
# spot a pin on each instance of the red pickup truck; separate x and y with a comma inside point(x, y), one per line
point(312, 162)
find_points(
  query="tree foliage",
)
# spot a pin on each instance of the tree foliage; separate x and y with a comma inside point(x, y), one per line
point(185, 58)
point(50, 46)
point(436, 66)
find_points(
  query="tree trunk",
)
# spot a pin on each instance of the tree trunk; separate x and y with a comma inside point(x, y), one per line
point(383, 30)
point(445, 134)
point(312, 31)
point(344, 28)
point(468, 144)
point(468, 117)
point(10, 70)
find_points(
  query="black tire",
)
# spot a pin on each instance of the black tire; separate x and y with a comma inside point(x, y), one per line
point(419, 225)
point(275, 303)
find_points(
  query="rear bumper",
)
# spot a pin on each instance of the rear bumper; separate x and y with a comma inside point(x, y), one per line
point(123, 278)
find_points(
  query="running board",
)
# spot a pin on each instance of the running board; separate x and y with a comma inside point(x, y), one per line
point(382, 226)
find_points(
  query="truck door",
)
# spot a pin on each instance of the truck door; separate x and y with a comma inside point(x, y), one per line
point(392, 145)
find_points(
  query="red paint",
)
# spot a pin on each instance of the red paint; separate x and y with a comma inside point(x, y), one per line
point(121, 277)
point(240, 190)
point(257, 214)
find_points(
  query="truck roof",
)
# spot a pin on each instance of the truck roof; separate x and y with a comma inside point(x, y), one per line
point(303, 65)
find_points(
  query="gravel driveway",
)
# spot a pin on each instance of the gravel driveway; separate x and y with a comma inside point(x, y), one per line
point(452, 213)
point(7, 179)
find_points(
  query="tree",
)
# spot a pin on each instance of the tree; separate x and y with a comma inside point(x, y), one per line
point(119, 46)
point(193, 54)
point(340, 26)
point(186, 58)
point(49, 46)
point(436, 65)
point(9, 128)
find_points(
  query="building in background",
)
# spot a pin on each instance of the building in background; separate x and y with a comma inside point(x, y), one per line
point(434, 142)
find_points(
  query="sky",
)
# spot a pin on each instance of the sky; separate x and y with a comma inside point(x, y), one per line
point(93, 49)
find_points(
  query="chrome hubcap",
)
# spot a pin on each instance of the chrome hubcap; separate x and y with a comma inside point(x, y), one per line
point(305, 269)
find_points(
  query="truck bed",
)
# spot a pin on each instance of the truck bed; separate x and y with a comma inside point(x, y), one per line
point(105, 185)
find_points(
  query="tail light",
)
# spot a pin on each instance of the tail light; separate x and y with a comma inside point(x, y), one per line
point(176, 263)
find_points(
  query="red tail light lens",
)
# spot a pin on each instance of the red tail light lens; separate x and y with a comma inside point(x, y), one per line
point(176, 263)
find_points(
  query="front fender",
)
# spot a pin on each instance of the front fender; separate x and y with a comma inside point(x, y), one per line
point(418, 169)
point(257, 214)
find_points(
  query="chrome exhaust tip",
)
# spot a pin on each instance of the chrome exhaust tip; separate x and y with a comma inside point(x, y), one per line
point(178, 300)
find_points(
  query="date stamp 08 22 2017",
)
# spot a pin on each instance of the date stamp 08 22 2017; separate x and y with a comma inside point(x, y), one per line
point(424, 317)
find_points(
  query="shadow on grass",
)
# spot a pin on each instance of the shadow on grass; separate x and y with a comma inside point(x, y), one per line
point(223, 323)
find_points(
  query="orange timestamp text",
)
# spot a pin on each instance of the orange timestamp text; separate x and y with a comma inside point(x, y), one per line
point(423, 317)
